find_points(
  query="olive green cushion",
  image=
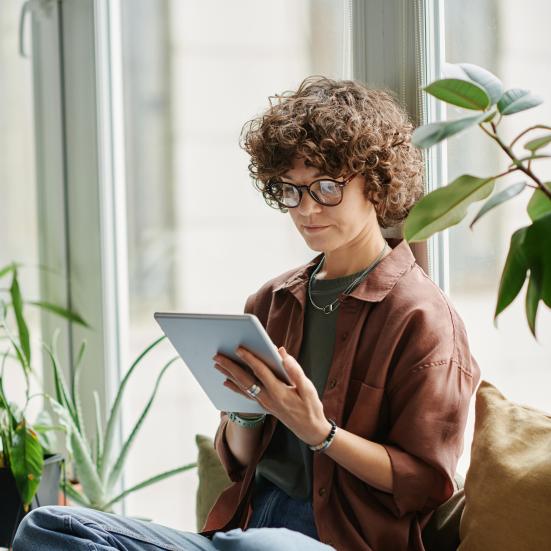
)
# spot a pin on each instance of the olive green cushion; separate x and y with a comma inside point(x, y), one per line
point(213, 479)
point(508, 484)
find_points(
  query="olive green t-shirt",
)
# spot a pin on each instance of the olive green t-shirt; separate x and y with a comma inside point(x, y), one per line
point(287, 462)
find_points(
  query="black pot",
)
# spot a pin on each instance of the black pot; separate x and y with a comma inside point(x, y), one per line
point(11, 508)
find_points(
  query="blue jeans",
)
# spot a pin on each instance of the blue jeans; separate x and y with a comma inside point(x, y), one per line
point(273, 527)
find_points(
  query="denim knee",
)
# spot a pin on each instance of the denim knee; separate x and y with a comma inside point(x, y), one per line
point(44, 517)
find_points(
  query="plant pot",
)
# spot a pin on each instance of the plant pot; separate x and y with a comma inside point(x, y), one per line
point(11, 508)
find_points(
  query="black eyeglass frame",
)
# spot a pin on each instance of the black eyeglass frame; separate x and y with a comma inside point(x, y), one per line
point(307, 187)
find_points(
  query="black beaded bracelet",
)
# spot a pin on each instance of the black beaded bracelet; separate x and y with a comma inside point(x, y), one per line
point(327, 442)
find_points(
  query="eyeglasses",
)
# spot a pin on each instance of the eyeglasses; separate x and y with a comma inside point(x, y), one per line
point(325, 191)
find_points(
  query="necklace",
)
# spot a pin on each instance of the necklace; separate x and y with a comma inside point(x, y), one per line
point(327, 309)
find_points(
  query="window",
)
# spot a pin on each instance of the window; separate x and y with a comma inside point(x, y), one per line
point(200, 237)
point(504, 38)
point(18, 216)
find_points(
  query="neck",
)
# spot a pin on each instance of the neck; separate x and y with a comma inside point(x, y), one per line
point(354, 256)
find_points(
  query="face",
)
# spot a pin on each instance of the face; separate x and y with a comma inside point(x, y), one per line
point(337, 226)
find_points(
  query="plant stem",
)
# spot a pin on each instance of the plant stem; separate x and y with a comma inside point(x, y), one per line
point(526, 132)
point(512, 156)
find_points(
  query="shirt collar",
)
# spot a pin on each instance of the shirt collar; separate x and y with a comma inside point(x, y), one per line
point(376, 285)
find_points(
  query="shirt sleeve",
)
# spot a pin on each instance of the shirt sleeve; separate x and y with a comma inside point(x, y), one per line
point(428, 410)
point(231, 465)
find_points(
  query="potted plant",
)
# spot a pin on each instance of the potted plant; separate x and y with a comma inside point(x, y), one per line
point(29, 470)
point(529, 256)
point(97, 465)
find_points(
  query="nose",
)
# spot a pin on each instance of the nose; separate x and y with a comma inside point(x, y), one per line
point(308, 206)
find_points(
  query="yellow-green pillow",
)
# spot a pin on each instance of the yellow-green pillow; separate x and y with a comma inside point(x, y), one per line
point(213, 479)
point(508, 484)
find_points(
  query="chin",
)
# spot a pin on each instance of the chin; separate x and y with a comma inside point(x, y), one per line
point(318, 245)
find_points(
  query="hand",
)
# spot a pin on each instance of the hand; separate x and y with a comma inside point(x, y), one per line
point(296, 405)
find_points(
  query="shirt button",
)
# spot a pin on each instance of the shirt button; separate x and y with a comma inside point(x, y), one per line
point(332, 383)
point(344, 336)
point(321, 491)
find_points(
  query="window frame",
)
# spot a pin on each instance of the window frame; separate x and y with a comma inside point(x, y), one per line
point(77, 81)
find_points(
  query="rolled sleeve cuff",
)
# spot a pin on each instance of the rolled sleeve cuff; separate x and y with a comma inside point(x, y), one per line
point(416, 485)
point(235, 470)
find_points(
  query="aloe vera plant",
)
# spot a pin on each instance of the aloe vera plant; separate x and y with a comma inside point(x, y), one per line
point(471, 87)
point(99, 466)
point(23, 444)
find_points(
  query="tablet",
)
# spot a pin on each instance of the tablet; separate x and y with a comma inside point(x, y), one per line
point(198, 337)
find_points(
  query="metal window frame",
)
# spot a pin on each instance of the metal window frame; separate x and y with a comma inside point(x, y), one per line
point(399, 44)
point(80, 181)
point(79, 155)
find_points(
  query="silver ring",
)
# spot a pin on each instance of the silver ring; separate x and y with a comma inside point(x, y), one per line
point(253, 390)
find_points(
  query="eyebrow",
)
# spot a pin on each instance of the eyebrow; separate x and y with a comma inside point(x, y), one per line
point(318, 173)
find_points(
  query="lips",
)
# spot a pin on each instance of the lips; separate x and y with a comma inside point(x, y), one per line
point(314, 228)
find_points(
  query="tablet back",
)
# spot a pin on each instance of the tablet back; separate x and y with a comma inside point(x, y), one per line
point(198, 337)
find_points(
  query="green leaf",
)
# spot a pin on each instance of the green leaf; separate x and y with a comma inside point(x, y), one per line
point(498, 198)
point(483, 77)
point(116, 471)
point(58, 310)
point(75, 495)
point(537, 249)
point(532, 157)
point(62, 393)
point(99, 430)
point(516, 100)
point(75, 387)
point(445, 207)
point(112, 421)
point(430, 134)
point(462, 93)
point(533, 297)
point(538, 143)
point(8, 269)
point(26, 462)
point(539, 203)
point(148, 482)
point(22, 328)
point(514, 272)
point(86, 471)
point(44, 425)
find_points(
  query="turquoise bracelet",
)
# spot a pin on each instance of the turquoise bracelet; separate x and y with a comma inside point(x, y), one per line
point(246, 423)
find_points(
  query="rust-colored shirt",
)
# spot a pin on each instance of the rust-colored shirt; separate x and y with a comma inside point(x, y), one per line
point(402, 375)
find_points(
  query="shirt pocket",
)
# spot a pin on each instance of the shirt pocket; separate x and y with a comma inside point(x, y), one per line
point(364, 415)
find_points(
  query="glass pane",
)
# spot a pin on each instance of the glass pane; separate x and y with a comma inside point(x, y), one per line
point(18, 219)
point(510, 41)
point(191, 81)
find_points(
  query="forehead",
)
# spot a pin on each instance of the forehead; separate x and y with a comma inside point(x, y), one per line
point(302, 168)
point(313, 175)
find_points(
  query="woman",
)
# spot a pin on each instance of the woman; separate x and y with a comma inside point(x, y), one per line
point(361, 448)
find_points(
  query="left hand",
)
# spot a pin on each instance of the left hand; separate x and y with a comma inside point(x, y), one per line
point(296, 405)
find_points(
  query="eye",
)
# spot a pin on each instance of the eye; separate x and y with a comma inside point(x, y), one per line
point(329, 187)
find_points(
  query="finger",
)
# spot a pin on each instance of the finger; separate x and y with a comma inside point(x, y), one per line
point(264, 374)
point(225, 372)
point(228, 383)
point(236, 372)
point(296, 373)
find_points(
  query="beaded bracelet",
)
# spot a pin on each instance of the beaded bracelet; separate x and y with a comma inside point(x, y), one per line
point(327, 442)
point(246, 422)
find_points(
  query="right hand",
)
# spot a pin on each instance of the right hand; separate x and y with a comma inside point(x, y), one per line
point(238, 385)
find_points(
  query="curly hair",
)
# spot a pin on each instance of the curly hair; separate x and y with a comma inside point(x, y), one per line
point(339, 126)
